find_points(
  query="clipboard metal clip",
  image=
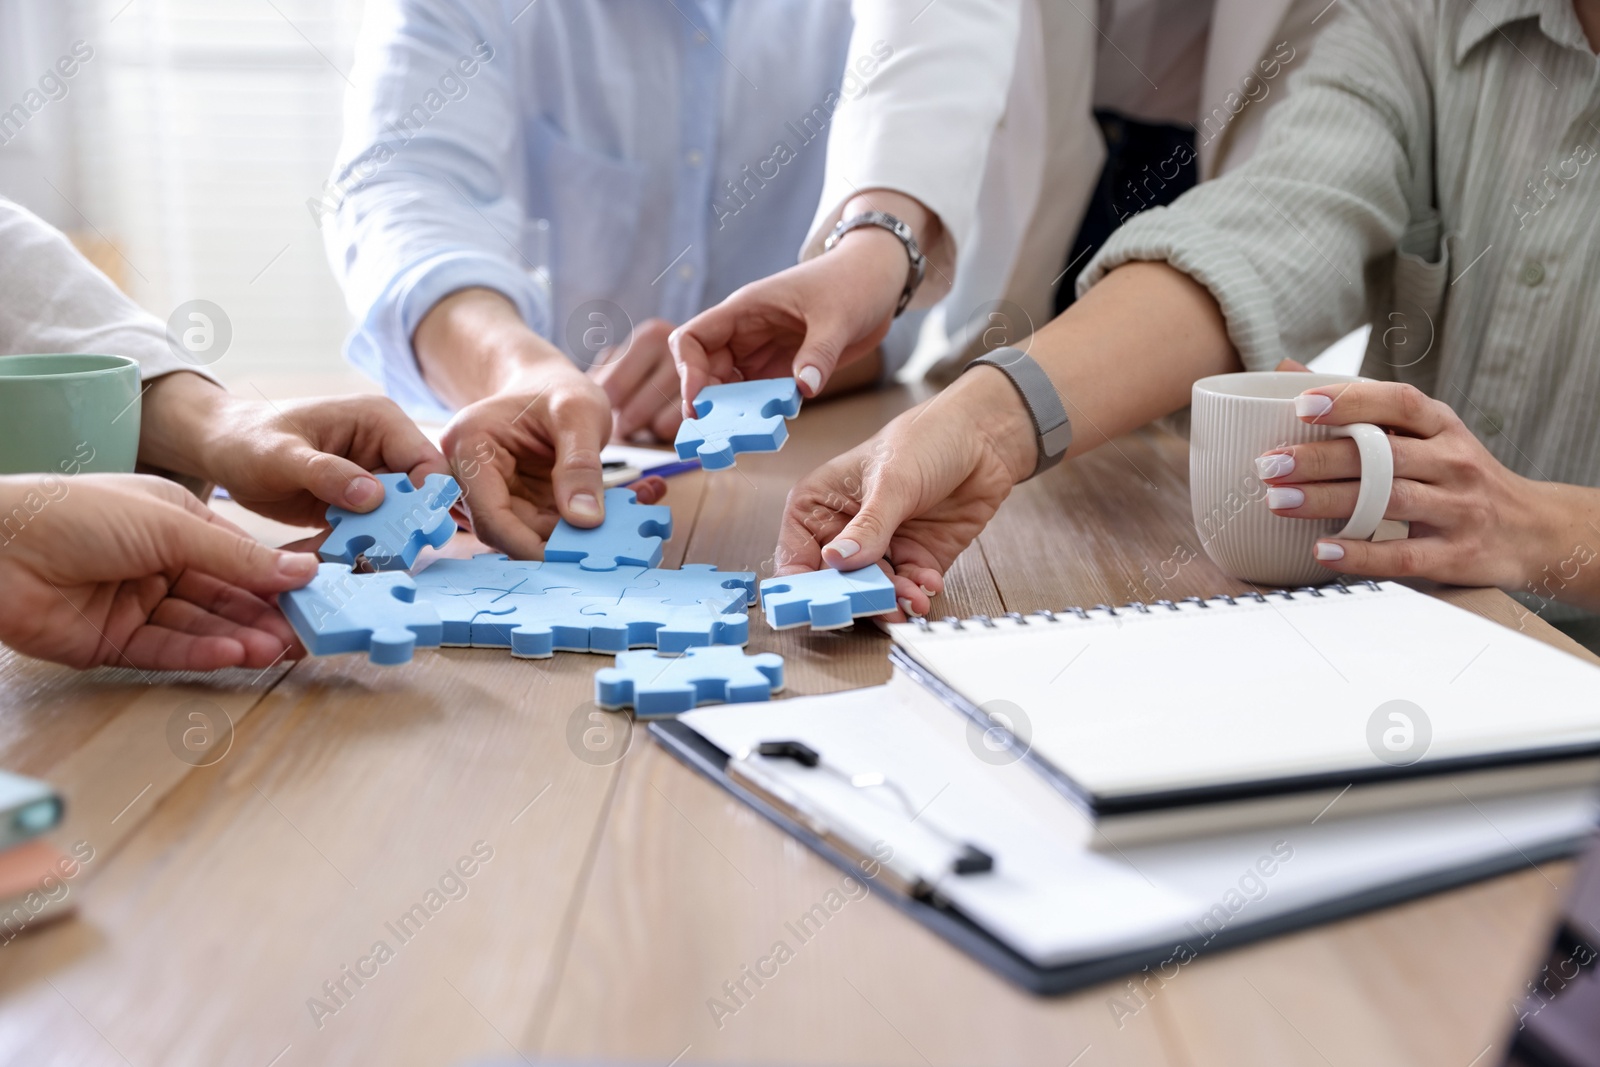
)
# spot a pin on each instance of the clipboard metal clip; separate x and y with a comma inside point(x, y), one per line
point(969, 858)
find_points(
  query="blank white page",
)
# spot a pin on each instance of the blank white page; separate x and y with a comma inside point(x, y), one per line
point(1198, 696)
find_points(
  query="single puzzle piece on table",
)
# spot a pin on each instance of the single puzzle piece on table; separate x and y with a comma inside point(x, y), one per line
point(632, 534)
point(827, 599)
point(340, 611)
point(657, 685)
point(738, 417)
point(537, 626)
point(391, 535)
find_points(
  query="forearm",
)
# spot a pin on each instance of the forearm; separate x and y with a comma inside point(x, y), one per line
point(473, 344)
point(1125, 354)
point(177, 421)
point(1564, 560)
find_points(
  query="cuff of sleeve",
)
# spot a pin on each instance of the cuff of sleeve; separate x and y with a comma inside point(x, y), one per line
point(1207, 255)
point(381, 346)
point(936, 280)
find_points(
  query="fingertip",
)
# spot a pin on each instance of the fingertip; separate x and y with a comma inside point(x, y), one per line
point(584, 509)
point(295, 569)
point(1312, 404)
point(810, 379)
point(1329, 552)
point(362, 493)
point(838, 552)
point(649, 490)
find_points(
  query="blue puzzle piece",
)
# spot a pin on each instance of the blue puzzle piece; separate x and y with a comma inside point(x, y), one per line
point(391, 535)
point(658, 685)
point(695, 583)
point(738, 417)
point(632, 533)
point(827, 599)
point(539, 625)
point(375, 613)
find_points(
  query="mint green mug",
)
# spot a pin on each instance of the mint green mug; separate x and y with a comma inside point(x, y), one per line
point(68, 413)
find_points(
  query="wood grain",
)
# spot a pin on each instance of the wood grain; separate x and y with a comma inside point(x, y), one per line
point(623, 890)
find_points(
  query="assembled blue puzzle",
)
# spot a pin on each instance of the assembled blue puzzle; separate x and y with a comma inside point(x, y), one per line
point(658, 685)
point(738, 417)
point(391, 535)
point(632, 533)
point(341, 611)
point(827, 599)
point(536, 609)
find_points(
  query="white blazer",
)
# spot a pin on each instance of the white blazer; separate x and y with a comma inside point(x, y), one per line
point(984, 112)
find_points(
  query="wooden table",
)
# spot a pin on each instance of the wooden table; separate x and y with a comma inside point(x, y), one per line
point(613, 892)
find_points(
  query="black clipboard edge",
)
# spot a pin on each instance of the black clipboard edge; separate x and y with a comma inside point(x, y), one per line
point(693, 750)
point(1261, 788)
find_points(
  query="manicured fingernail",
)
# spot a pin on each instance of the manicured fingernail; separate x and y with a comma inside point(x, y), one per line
point(297, 565)
point(1274, 466)
point(1284, 496)
point(361, 489)
point(1328, 550)
point(905, 606)
point(844, 548)
point(930, 592)
point(1309, 405)
point(584, 506)
point(811, 378)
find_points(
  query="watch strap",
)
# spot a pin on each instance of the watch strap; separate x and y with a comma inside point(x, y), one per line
point(1051, 425)
point(918, 266)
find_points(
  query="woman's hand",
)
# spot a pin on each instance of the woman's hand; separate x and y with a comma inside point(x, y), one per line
point(1473, 522)
point(916, 494)
point(809, 320)
point(289, 460)
point(127, 570)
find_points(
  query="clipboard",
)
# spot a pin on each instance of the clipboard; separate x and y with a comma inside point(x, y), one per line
point(704, 757)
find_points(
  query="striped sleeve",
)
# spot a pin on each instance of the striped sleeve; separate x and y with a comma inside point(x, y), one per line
point(1283, 242)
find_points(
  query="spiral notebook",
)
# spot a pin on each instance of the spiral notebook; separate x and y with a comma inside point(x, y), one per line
point(1209, 715)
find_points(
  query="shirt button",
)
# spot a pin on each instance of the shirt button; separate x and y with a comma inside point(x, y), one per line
point(1493, 423)
point(686, 271)
point(693, 157)
point(1532, 273)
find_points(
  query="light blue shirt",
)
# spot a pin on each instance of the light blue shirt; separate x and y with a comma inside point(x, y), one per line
point(652, 154)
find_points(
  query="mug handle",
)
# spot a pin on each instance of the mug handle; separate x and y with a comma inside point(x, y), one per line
point(1377, 478)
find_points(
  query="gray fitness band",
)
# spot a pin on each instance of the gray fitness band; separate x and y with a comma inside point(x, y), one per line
point(1051, 426)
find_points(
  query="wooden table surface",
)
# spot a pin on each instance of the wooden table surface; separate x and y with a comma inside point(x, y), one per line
point(612, 891)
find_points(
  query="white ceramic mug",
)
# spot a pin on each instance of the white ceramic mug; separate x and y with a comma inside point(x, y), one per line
point(1235, 418)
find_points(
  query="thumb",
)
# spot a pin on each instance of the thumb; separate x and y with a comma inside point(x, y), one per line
point(335, 480)
point(576, 475)
point(865, 538)
point(192, 543)
point(818, 357)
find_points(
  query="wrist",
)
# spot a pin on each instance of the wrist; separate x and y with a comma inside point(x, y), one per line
point(997, 416)
point(879, 260)
point(925, 225)
point(473, 344)
point(178, 417)
point(1558, 530)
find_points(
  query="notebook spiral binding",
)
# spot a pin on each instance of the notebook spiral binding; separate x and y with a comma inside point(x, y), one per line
point(1139, 606)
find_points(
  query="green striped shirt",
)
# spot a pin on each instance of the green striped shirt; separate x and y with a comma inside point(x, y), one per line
point(1435, 171)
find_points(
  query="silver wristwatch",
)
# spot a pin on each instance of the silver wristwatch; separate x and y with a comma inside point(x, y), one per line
point(1051, 426)
point(885, 221)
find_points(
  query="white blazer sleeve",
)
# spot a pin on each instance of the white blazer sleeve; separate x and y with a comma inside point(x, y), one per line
point(54, 300)
point(922, 124)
